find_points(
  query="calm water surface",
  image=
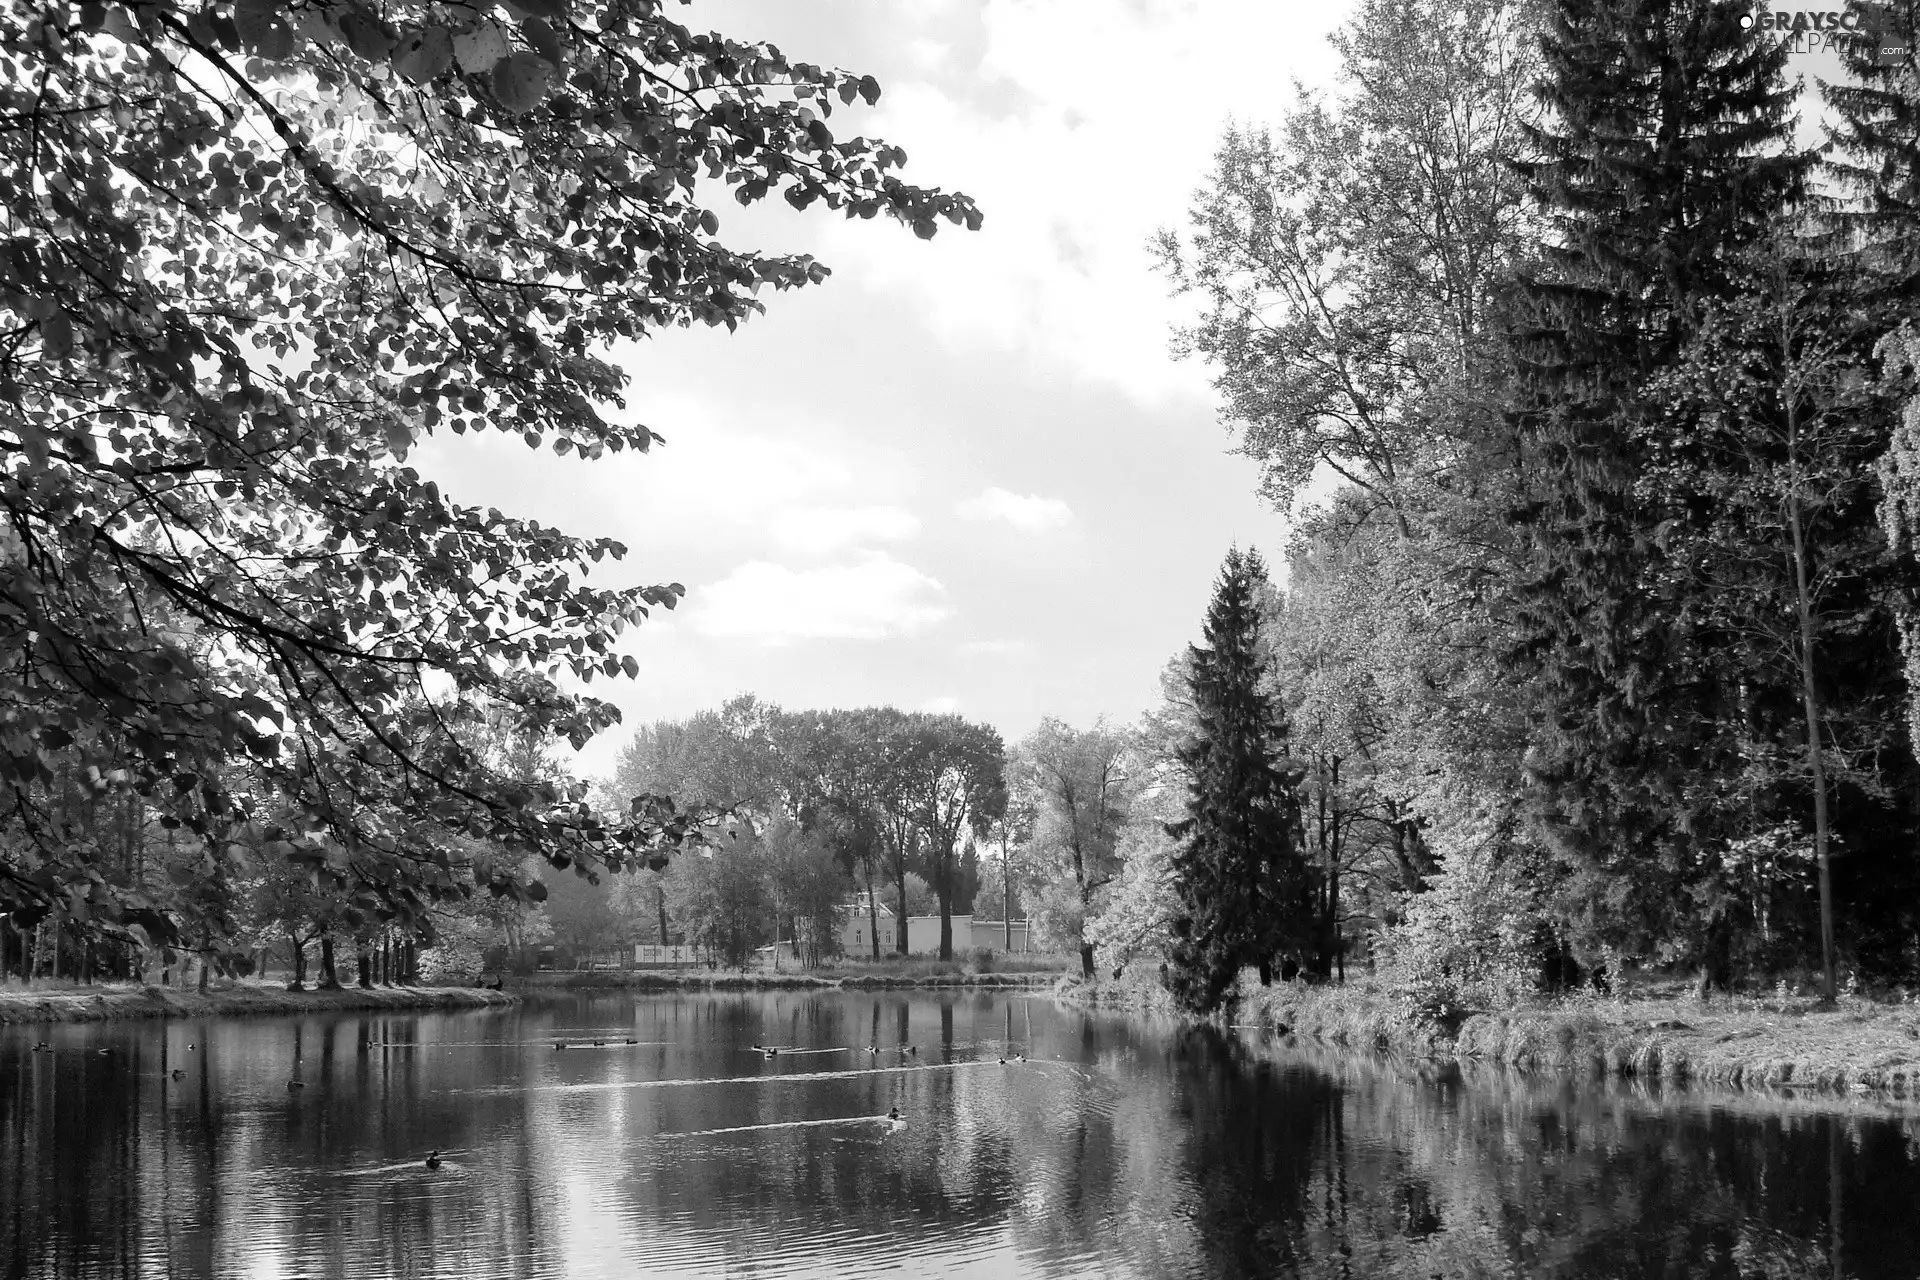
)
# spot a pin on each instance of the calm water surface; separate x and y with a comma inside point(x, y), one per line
point(1118, 1149)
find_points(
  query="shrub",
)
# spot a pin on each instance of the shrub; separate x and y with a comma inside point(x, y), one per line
point(1468, 944)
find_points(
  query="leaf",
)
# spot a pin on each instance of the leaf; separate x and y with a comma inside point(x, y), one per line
point(544, 42)
point(56, 337)
point(367, 36)
point(264, 30)
point(424, 55)
point(520, 80)
point(478, 50)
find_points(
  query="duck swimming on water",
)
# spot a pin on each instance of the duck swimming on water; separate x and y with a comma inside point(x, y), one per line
point(894, 1115)
point(433, 1161)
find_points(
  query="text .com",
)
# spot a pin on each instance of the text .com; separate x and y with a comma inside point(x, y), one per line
point(1870, 30)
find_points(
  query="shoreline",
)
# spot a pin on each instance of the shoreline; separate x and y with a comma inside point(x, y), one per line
point(107, 1004)
point(632, 980)
point(1751, 1045)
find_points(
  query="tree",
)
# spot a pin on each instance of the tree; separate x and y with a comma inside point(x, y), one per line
point(1669, 151)
point(810, 883)
point(1875, 151)
point(1245, 889)
point(1346, 264)
point(838, 779)
point(1010, 831)
point(257, 254)
point(720, 901)
point(1779, 377)
point(1077, 779)
point(958, 785)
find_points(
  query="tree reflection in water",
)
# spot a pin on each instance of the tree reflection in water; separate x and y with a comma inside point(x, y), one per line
point(1120, 1148)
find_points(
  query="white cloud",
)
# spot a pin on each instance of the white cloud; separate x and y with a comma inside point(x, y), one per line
point(1023, 511)
point(993, 648)
point(1075, 182)
point(816, 530)
point(869, 599)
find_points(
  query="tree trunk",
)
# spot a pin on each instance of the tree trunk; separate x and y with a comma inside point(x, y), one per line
point(1333, 886)
point(329, 976)
point(1086, 900)
point(900, 927)
point(1006, 892)
point(873, 912)
point(1810, 704)
point(660, 908)
point(299, 980)
point(946, 922)
point(365, 962)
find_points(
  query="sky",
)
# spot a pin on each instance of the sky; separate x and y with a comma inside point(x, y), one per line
point(964, 474)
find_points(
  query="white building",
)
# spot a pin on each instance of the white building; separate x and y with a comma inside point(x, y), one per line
point(923, 934)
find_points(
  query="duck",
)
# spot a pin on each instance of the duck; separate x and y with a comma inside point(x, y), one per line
point(767, 1049)
point(433, 1160)
point(41, 1046)
point(558, 1045)
point(178, 1074)
point(894, 1115)
point(911, 1050)
point(599, 1044)
point(631, 1040)
point(873, 1048)
point(1003, 1062)
point(105, 1053)
point(296, 1084)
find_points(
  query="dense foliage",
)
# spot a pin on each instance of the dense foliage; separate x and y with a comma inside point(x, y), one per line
point(254, 253)
point(1602, 648)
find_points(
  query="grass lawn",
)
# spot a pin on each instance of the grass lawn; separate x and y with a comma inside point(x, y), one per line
point(72, 1002)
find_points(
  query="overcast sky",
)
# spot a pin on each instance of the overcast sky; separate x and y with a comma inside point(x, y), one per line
point(964, 474)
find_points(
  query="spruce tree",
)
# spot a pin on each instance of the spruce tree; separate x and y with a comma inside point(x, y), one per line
point(1668, 150)
point(1876, 139)
point(1244, 886)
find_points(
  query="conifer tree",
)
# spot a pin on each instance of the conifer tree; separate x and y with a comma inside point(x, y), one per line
point(1669, 149)
point(1876, 139)
point(1243, 884)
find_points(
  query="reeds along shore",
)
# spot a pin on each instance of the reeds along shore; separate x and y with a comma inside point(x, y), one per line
point(1856, 1046)
point(102, 1004)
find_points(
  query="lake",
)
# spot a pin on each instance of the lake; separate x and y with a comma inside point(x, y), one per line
point(674, 1148)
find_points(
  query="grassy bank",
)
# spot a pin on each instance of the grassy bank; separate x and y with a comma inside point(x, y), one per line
point(1787, 1042)
point(103, 1003)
